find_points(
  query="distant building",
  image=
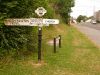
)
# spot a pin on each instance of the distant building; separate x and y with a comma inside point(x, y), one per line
point(97, 16)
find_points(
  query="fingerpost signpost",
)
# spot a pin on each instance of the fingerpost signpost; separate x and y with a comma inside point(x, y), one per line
point(40, 11)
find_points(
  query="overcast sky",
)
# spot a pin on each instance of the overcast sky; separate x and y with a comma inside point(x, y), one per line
point(85, 7)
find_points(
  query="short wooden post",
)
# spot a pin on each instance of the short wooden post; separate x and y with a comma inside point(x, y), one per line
point(59, 41)
point(54, 45)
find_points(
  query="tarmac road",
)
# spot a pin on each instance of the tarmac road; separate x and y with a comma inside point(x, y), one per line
point(92, 31)
point(90, 25)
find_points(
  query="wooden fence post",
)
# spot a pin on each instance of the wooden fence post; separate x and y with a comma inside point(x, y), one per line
point(59, 41)
point(54, 45)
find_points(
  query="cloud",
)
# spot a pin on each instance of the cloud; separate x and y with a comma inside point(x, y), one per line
point(85, 7)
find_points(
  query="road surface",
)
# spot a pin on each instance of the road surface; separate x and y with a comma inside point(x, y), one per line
point(90, 25)
point(92, 31)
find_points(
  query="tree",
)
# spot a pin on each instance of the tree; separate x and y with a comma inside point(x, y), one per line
point(64, 9)
point(81, 18)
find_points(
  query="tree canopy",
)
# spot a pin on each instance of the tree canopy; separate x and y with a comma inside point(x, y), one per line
point(64, 8)
point(82, 18)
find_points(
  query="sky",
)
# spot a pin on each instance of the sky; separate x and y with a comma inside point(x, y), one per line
point(85, 7)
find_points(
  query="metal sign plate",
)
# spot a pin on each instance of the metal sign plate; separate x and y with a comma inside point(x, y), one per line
point(40, 11)
point(17, 22)
point(31, 22)
point(36, 21)
point(50, 21)
point(24, 22)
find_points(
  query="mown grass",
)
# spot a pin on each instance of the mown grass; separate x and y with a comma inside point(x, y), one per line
point(78, 56)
